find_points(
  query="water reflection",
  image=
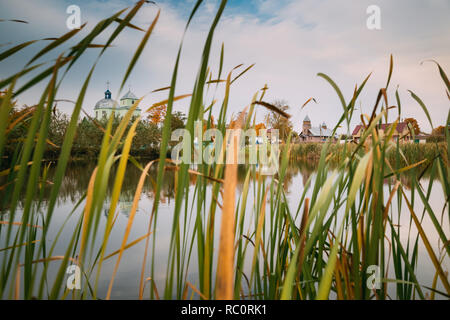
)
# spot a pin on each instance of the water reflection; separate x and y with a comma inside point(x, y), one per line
point(297, 174)
point(77, 178)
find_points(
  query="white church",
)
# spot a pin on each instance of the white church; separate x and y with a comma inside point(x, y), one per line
point(104, 108)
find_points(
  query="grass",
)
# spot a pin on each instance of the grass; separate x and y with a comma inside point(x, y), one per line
point(343, 221)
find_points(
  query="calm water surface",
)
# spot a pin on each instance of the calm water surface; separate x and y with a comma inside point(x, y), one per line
point(127, 280)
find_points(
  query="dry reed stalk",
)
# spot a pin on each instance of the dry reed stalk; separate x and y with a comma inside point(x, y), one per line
point(225, 262)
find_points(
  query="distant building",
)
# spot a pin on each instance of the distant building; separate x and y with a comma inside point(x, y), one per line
point(421, 138)
point(314, 134)
point(105, 107)
point(401, 132)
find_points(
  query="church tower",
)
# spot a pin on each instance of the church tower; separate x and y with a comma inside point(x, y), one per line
point(128, 99)
point(306, 125)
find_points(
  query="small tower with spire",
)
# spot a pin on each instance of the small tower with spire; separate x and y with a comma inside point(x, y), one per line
point(107, 92)
point(306, 125)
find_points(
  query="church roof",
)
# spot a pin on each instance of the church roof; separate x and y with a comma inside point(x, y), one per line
point(106, 104)
point(320, 132)
point(385, 126)
point(129, 95)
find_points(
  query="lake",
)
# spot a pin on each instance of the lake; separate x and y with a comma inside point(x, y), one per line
point(127, 280)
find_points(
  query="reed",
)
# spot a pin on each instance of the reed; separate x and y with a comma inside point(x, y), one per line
point(342, 224)
point(412, 152)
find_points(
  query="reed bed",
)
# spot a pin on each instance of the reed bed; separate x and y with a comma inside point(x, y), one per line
point(412, 152)
point(343, 221)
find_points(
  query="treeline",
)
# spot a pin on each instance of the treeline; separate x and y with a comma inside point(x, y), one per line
point(437, 135)
point(89, 135)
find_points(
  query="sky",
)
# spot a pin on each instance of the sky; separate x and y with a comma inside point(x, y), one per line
point(289, 41)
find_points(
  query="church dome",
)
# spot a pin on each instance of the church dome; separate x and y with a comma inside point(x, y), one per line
point(107, 102)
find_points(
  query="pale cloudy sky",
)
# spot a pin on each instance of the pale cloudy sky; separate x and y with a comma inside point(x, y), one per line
point(290, 41)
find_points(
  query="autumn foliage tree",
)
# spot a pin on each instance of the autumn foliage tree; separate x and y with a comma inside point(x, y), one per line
point(439, 131)
point(258, 127)
point(157, 114)
point(414, 124)
point(437, 135)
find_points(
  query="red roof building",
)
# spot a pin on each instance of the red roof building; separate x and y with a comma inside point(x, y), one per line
point(401, 131)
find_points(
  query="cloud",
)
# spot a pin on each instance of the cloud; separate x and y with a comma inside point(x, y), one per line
point(289, 42)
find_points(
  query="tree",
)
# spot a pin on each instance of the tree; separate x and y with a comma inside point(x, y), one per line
point(56, 131)
point(88, 138)
point(177, 120)
point(58, 125)
point(437, 135)
point(414, 124)
point(275, 120)
point(439, 131)
point(157, 114)
point(258, 127)
point(16, 125)
point(147, 139)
